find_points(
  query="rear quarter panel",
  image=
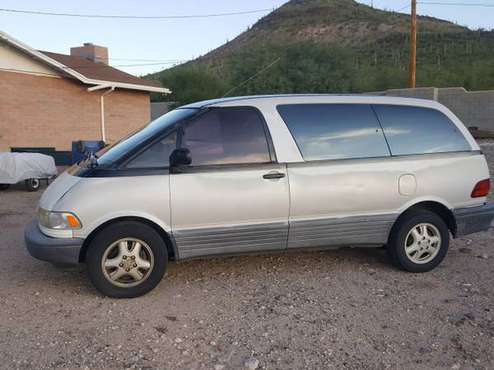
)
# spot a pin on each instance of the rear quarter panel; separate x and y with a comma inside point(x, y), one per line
point(367, 187)
point(447, 177)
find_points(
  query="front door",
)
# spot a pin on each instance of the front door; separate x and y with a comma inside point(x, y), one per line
point(234, 197)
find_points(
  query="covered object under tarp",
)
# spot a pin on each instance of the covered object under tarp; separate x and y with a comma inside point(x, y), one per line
point(15, 167)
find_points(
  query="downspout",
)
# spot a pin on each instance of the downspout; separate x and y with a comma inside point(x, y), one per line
point(102, 107)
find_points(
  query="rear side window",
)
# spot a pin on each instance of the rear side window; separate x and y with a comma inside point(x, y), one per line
point(227, 136)
point(335, 131)
point(416, 130)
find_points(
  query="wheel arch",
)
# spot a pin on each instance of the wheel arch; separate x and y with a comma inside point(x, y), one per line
point(167, 238)
point(434, 206)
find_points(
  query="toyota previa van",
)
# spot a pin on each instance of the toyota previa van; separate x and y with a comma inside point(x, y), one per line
point(267, 173)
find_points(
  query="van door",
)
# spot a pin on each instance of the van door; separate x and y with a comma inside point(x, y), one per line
point(345, 191)
point(234, 197)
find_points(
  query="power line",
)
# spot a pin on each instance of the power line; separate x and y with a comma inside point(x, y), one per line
point(99, 66)
point(252, 77)
point(120, 16)
point(484, 5)
point(149, 64)
point(148, 60)
point(403, 7)
point(124, 65)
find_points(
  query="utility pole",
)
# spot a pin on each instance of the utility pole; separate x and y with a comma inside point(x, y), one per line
point(412, 82)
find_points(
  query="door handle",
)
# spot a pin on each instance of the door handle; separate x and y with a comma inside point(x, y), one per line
point(273, 175)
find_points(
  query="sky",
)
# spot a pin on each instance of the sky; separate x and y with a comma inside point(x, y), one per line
point(132, 43)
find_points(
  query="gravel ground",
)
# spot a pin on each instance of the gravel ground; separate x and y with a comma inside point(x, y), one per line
point(345, 308)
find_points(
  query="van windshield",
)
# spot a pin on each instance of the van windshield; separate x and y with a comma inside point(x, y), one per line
point(111, 154)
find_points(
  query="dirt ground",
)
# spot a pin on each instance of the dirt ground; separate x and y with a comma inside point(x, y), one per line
point(344, 308)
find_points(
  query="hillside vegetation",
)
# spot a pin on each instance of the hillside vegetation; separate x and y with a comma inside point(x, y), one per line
point(335, 46)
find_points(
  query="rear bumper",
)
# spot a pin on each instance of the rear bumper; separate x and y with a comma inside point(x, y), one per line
point(55, 250)
point(474, 219)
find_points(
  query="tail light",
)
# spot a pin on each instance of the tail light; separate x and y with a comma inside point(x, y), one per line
point(482, 189)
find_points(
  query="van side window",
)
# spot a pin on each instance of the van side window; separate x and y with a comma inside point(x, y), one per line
point(335, 131)
point(417, 130)
point(157, 155)
point(227, 136)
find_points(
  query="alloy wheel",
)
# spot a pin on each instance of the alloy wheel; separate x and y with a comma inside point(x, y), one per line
point(422, 243)
point(127, 262)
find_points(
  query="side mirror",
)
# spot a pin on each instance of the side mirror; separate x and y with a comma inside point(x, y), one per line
point(180, 157)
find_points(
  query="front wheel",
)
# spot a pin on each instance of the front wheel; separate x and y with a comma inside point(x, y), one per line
point(126, 259)
point(419, 241)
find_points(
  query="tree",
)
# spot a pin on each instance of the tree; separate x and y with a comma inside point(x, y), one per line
point(190, 84)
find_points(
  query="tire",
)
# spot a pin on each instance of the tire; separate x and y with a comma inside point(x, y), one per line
point(423, 231)
point(4, 186)
point(32, 184)
point(106, 249)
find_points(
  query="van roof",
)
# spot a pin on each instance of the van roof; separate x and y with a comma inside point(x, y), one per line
point(312, 98)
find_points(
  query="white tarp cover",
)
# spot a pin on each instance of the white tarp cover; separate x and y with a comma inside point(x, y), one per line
point(15, 167)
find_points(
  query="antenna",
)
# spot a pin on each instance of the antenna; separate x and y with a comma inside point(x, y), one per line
point(413, 47)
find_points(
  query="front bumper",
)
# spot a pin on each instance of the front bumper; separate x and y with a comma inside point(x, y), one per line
point(55, 250)
point(474, 219)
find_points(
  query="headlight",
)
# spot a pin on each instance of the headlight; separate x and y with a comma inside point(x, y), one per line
point(58, 220)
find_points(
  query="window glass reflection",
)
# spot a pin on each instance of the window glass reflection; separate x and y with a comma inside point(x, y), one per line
point(227, 136)
point(335, 131)
point(417, 130)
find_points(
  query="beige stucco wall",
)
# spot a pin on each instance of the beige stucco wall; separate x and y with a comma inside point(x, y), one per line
point(13, 60)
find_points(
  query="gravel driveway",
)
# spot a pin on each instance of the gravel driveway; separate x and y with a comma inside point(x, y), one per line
point(335, 309)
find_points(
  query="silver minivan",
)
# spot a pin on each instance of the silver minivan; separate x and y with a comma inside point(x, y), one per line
point(267, 173)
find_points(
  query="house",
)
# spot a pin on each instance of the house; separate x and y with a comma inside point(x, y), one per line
point(49, 100)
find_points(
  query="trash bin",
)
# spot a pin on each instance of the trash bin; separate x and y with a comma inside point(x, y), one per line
point(83, 148)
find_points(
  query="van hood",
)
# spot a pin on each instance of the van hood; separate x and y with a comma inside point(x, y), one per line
point(57, 190)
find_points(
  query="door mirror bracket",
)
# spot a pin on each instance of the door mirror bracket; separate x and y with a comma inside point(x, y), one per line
point(180, 157)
